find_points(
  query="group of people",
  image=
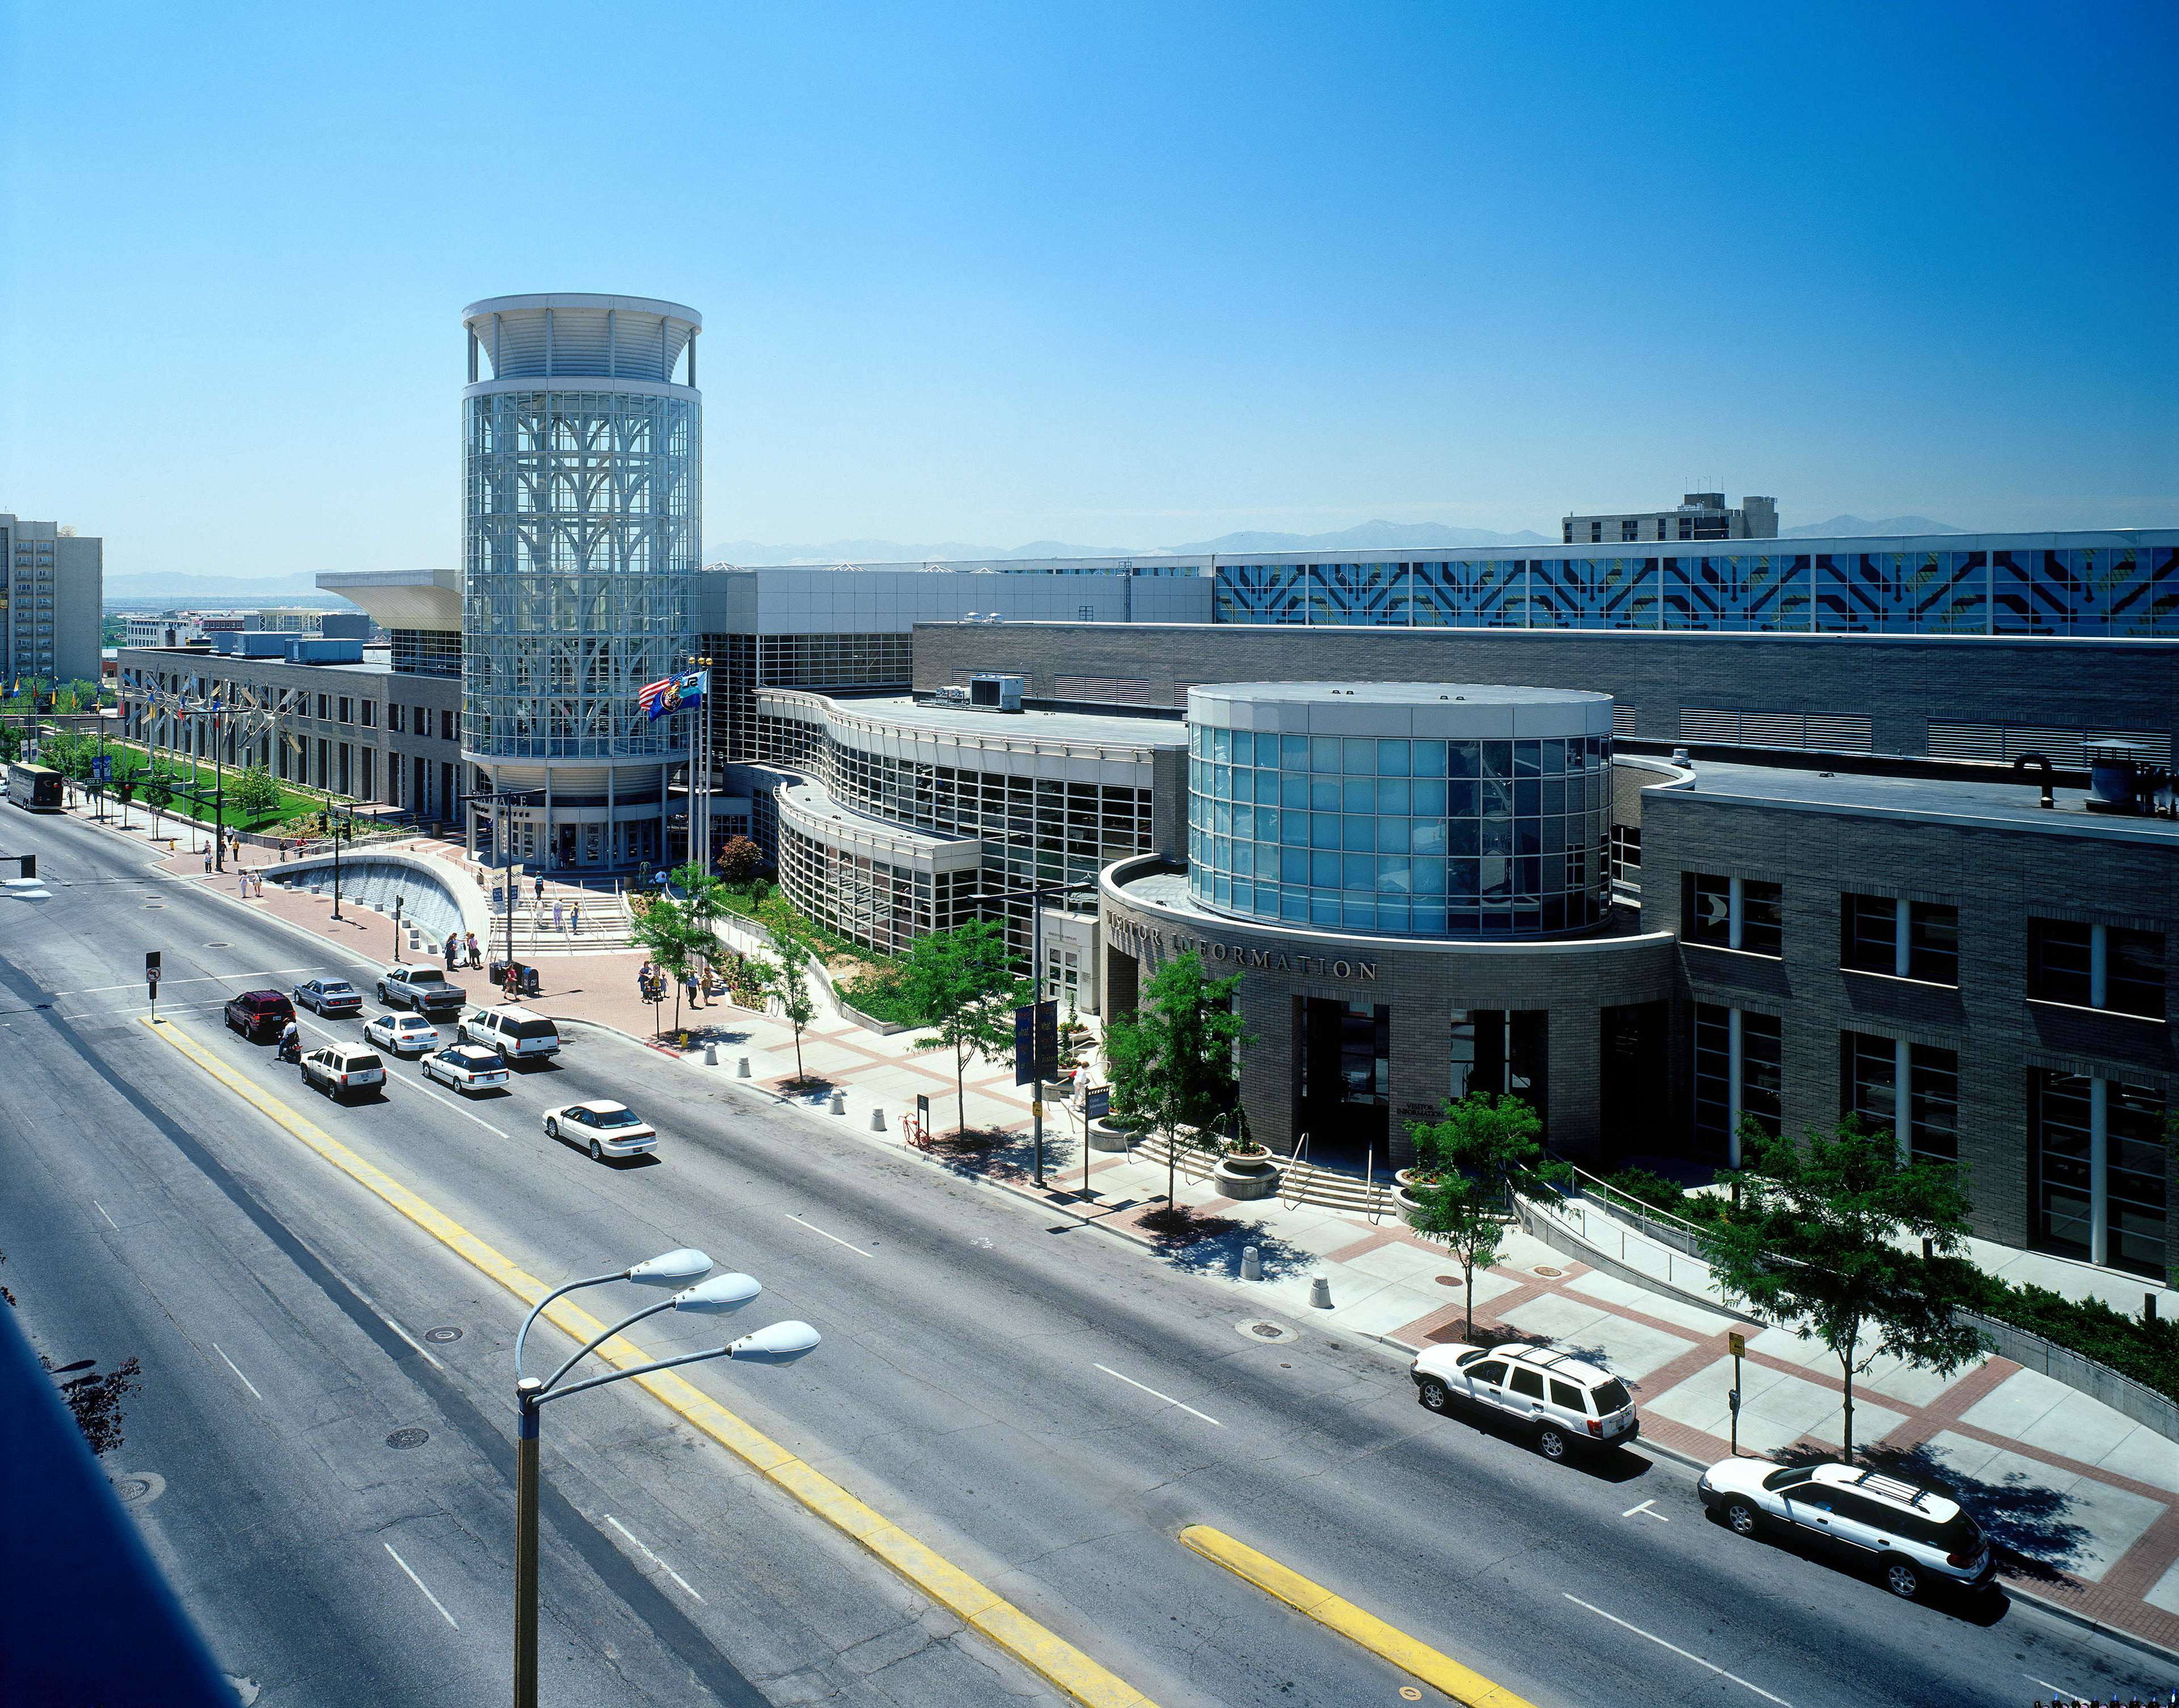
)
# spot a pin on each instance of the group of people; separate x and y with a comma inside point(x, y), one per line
point(650, 981)
point(457, 945)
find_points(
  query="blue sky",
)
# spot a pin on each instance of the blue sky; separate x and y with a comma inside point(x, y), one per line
point(1117, 275)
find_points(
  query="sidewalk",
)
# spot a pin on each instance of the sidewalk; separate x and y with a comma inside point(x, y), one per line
point(2084, 1502)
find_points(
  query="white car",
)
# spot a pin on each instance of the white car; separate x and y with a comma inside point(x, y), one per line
point(338, 1069)
point(466, 1067)
point(603, 1129)
point(517, 1033)
point(1914, 1536)
point(399, 1034)
point(1566, 1403)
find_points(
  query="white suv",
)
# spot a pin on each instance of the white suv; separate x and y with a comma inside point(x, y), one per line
point(517, 1033)
point(1567, 1402)
point(1916, 1536)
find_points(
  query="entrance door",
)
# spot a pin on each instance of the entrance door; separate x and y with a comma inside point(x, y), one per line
point(1635, 1086)
point(1344, 1095)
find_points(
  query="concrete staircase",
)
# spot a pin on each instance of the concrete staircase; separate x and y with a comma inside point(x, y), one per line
point(1300, 1182)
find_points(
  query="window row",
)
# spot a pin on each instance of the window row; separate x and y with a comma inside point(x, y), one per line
point(1364, 756)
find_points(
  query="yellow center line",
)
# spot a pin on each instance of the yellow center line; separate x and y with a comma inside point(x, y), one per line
point(1410, 1654)
point(1044, 1652)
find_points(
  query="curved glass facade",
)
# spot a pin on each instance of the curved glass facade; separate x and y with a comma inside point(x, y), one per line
point(1400, 835)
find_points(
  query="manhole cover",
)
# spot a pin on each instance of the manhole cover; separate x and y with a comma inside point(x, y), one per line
point(1260, 1329)
point(1547, 1271)
point(139, 1488)
point(439, 1336)
point(408, 1438)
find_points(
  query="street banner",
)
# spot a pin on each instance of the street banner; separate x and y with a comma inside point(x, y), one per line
point(1036, 1041)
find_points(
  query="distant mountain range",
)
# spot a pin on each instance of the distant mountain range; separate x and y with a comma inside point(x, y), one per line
point(1856, 527)
point(1368, 536)
point(301, 589)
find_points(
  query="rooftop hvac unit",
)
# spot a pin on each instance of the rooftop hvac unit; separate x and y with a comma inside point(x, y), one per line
point(989, 692)
point(952, 694)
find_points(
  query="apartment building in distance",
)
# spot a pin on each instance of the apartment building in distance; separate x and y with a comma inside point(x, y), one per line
point(51, 578)
point(1700, 516)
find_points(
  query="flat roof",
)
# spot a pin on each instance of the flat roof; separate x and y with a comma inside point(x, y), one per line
point(1398, 693)
point(1994, 804)
point(1032, 726)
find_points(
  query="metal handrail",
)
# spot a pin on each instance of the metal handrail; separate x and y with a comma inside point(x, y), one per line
point(1295, 1171)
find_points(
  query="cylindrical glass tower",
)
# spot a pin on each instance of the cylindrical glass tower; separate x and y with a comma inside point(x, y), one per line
point(582, 483)
point(1423, 808)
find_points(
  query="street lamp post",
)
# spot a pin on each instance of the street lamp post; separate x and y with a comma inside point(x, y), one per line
point(399, 902)
point(681, 1270)
point(333, 834)
point(1036, 900)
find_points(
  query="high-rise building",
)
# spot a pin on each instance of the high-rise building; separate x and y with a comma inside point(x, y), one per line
point(51, 581)
point(1700, 516)
point(583, 514)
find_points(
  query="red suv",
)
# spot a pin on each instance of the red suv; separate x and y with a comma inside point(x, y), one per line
point(259, 1014)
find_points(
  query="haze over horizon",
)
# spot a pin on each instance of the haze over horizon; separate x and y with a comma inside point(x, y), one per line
point(970, 306)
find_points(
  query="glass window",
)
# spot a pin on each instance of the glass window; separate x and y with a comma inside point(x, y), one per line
point(2058, 956)
point(1527, 1382)
point(1762, 1071)
point(1566, 1395)
point(1763, 918)
point(1358, 756)
point(1491, 1371)
point(2134, 973)
point(2059, 1123)
point(1868, 929)
point(2135, 1139)
point(1705, 913)
point(1933, 943)
point(1393, 758)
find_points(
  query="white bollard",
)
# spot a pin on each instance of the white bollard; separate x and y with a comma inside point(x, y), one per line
point(839, 1102)
point(741, 1068)
point(710, 1055)
point(1319, 1292)
point(1252, 1264)
point(877, 1121)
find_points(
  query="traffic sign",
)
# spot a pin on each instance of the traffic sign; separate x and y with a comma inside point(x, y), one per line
point(1736, 1343)
point(151, 965)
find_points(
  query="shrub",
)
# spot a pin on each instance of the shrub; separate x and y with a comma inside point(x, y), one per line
point(1652, 1190)
point(883, 997)
point(2146, 1351)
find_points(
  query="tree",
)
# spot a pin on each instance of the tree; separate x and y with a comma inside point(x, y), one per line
point(158, 795)
point(740, 861)
point(1173, 1058)
point(663, 929)
point(1465, 1167)
point(1815, 1246)
point(254, 794)
point(785, 976)
point(964, 984)
point(11, 743)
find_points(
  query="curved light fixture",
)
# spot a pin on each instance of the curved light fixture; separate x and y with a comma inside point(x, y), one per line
point(675, 1268)
point(719, 1295)
point(783, 1342)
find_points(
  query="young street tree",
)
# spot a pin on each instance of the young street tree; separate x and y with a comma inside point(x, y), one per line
point(740, 861)
point(787, 974)
point(1815, 1247)
point(1173, 1058)
point(254, 794)
point(1465, 1167)
point(965, 984)
point(664, 930)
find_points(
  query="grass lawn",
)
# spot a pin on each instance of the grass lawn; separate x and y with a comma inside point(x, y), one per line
point(293, 808)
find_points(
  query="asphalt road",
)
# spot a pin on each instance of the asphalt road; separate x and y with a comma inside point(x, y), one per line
point(1041, 1402)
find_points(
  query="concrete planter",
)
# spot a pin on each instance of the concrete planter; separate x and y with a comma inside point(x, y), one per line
point(1255, 1176)
point(1403, 1197)
point(1105, 1136)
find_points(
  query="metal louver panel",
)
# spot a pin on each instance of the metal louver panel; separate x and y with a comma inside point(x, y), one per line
point(1697, 724)
point(1104, 691)
point(2001, 744)
point(1841, 732)
point(1622, 718)
point(1819, 732)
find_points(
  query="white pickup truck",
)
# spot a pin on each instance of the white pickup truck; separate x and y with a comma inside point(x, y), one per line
point(425, 989)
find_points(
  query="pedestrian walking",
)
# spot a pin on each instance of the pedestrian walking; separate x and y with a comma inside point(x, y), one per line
point(475, 959)
point(691, 982)
point(541, 889)
point(207, 856)
point(575, 919)
point(558, 914)
point(259, 881)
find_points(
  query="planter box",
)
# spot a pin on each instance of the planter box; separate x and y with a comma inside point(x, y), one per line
point(1256, 1178)
point(1105, 1136)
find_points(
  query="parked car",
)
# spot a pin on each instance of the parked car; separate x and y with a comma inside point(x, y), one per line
point(398, 1033)
point(1568, 1404)
point(518, 1034)
point(1915, 1537)
point(338, 1069)
point(259, 1015)
point(466, 1067)
point(603, 1129)
point(425, 989)
point(329, 996)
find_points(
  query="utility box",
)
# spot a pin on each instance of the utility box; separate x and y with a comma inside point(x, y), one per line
point(994, 693)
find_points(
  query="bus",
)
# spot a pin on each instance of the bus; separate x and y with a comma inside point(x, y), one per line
point(38, 786)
